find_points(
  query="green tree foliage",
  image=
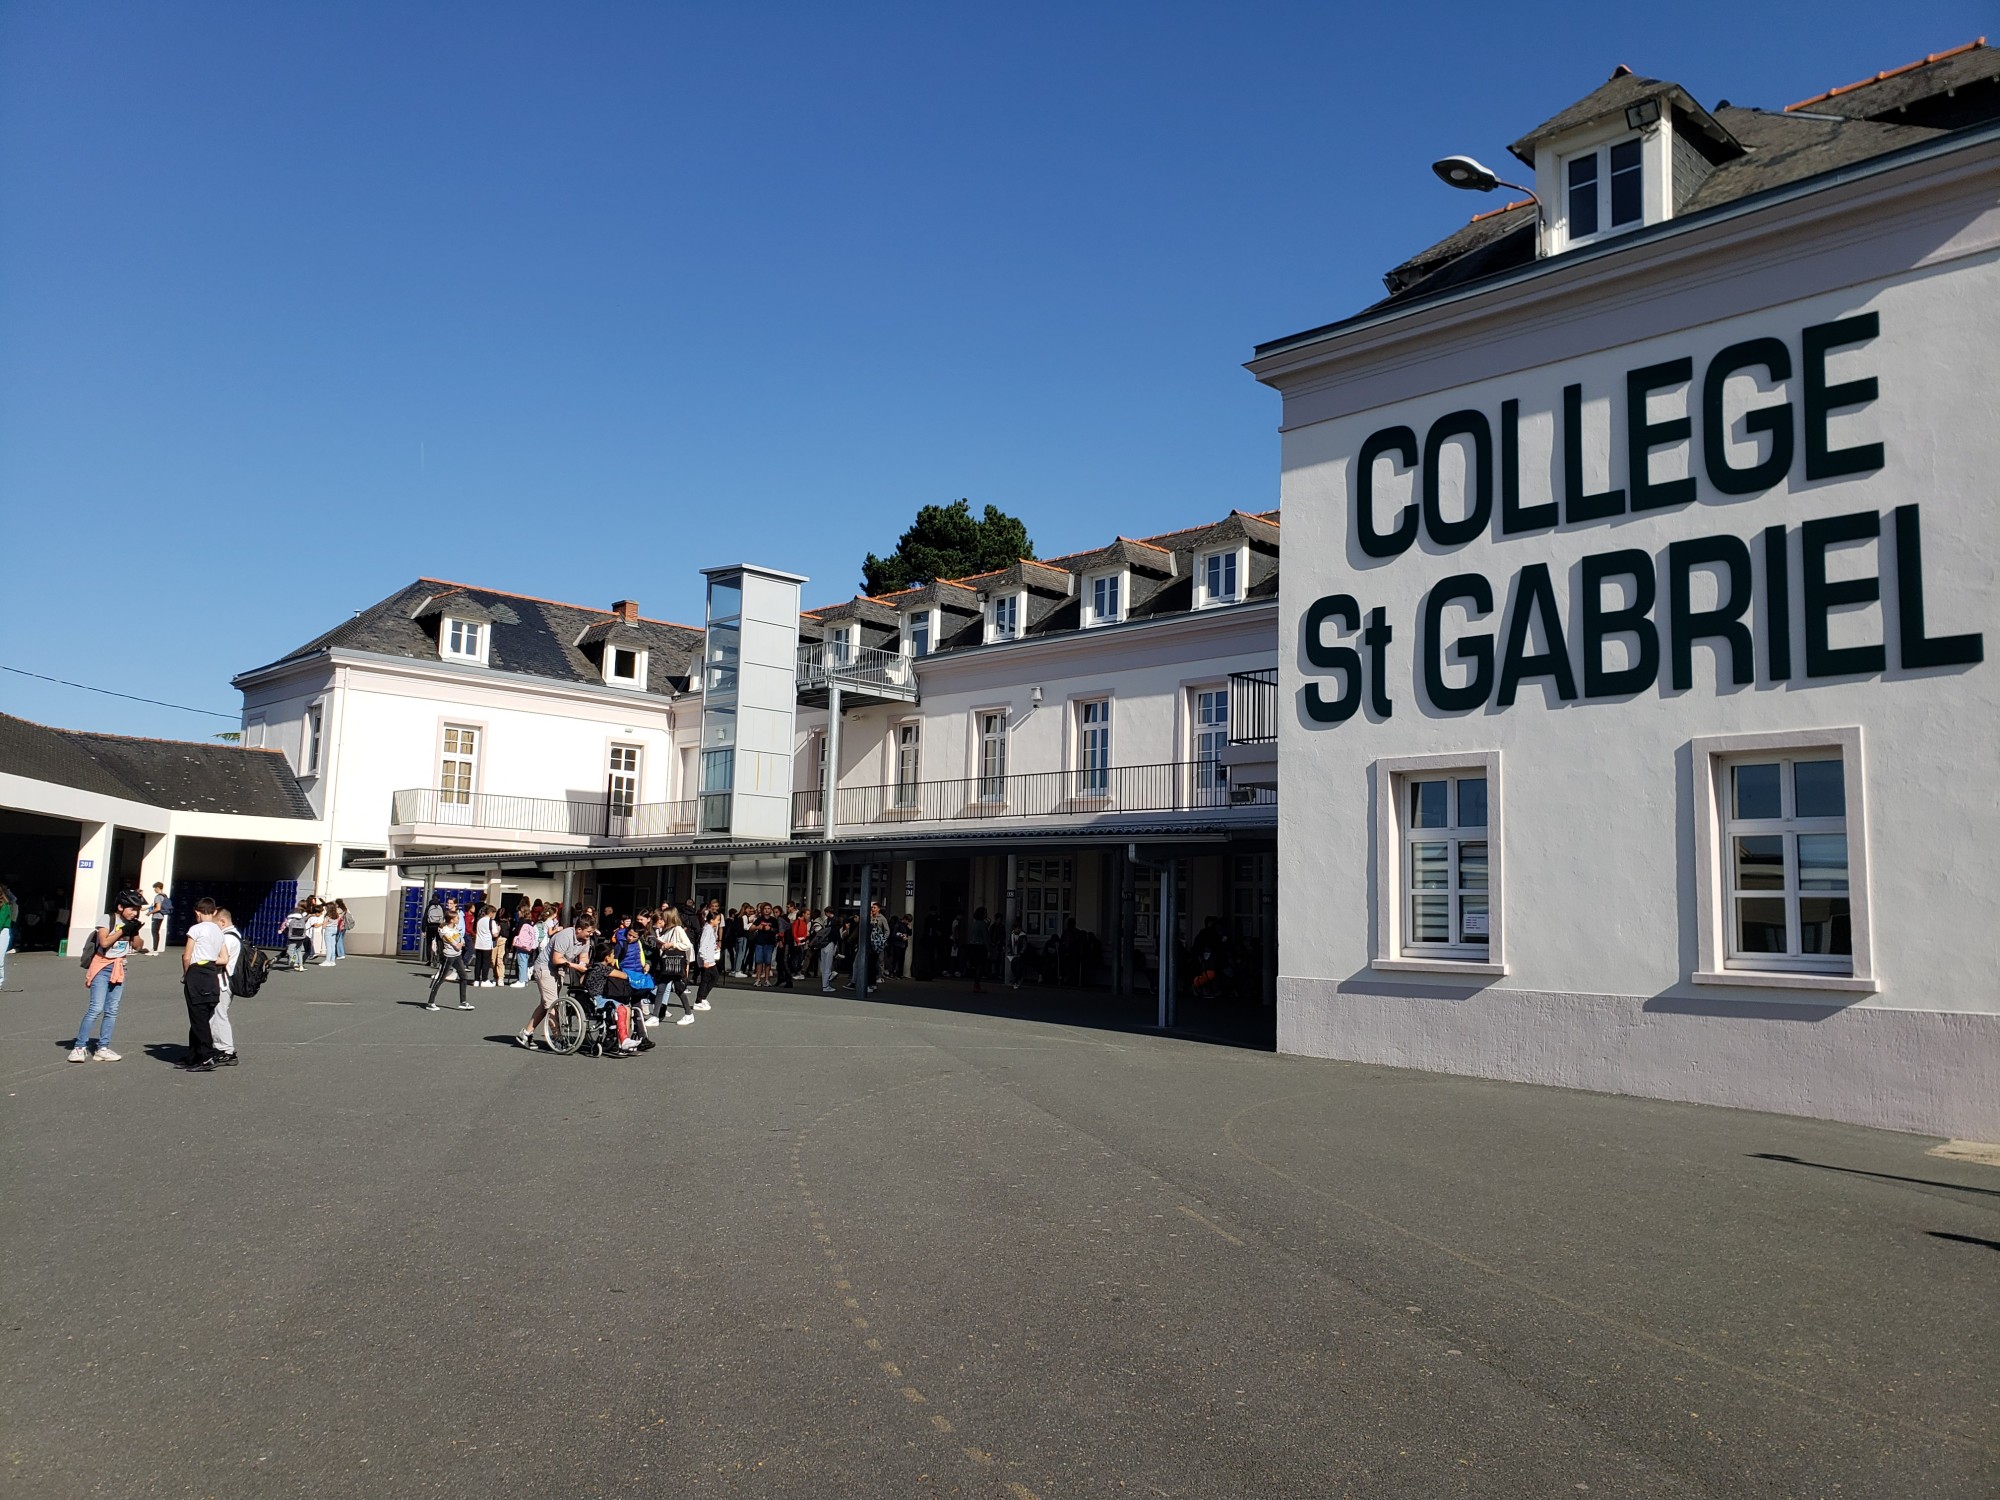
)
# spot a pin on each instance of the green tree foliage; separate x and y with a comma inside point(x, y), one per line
point(947, 541)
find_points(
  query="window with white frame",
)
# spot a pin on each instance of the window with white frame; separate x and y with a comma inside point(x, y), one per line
point(841, 640)
point(993, 755)
point(1107, 602)
point(622, 780)
point(1210, 735)
point(1786, 826)
point(909, 761)
point(1006, 618)
point(1093, 748)
point(463, 640)
point(624, 666)
point(1604, 190)
point(1781, 861)
point(1218, 578)
point(315, 744)
point(253, 732)
point(1437, 838)
point(917, 633)
point(1445, 891)
point(458, 768)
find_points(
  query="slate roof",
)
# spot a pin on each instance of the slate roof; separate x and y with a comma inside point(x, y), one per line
point(182, 775)
point(1743, 151)
point(535, 637)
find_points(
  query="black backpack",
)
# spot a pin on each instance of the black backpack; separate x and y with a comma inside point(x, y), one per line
point(253, 966)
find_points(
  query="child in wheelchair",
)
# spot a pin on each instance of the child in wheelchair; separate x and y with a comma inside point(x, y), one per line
point(607, 989)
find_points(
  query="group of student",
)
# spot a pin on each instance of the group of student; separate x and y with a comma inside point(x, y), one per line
point(317, 928)
point(210, 962)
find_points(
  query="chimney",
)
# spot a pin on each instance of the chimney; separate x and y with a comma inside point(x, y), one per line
point(627, 610)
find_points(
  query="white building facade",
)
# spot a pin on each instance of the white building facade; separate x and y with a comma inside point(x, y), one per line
point(1637, 731)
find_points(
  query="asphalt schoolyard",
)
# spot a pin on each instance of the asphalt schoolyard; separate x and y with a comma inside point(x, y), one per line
point(817, 1247)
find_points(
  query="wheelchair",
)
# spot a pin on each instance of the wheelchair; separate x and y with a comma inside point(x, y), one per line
point(579, 1025)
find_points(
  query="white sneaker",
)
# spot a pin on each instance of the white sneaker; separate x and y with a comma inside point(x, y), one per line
point(630, 1044)
point(701, 1005)
point(105, 1054)
point(79, 1054)
point(684, 1019)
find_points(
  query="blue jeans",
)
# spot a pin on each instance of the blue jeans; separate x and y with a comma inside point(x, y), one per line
point(104, 998)
point(337, 948)
point(6, 942)
point(522, 960)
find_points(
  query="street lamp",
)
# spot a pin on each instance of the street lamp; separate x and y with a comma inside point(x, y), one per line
point(1465, 172)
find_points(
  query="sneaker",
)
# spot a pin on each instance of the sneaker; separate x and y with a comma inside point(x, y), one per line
point(105, 1054)
point(206, 1065)
point(519, 984)
point(432, 1005)
point(226, 1059)
point(701, 1005)
point(526, 1038)
point(79, 1054)
point(684, 1019)
point(462, 1005)
point(630, 1044)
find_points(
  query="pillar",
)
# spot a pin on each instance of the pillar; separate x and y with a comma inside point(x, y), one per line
point(91, 893)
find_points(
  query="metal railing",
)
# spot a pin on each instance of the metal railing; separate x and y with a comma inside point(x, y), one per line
point(866, 669)
point(809, 810)
point(1253, 706)
point(1173, 786)
point(570, 817)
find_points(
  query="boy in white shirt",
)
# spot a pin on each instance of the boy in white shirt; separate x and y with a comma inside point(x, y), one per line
point(201, 984)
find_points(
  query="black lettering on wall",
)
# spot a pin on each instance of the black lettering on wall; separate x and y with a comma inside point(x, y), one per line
point(1515, 517)
point(1401, 442)
point(1376, 638)
point(1343, 659)
point(1578, 505)
point(1777, 603)
point(1913, 647)
point(1821, 597)
point(1643, 435)
point(1474, 650)
point(1633, 619)
point(1535, 595)
point(1774, 357)
point(1478, 478)
point(1686, 624)
point(1821, 400)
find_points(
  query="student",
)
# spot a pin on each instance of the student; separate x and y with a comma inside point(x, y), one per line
point(676, 962)
point(9, 908)
point(451, 957)
point(316, 927)
point(1017, 949)
point(709, 957)
point(336, 933)
point(826, 942)
point(606, 986)
point(527, 938)
point(220, 1031)
point(485, 939)
point(433, 920)
point(976, 934)
point(156, 915)
point(201, 985)
point(297, 925)
point(104, 978)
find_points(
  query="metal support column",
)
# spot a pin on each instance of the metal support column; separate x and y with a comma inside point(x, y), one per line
point(863, 951)
point(829, 783)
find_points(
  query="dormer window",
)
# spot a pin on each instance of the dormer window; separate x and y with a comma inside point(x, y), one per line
point(463, 640)
point(1604, 190)
point(1004, 618)
point(1217, 573)
point(917, 633)
point(840, 643)
point(1107, 599)
point(624, 666)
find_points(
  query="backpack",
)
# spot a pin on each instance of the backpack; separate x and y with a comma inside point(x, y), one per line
point(524, 938)
point(253, 965)
point(295, 926)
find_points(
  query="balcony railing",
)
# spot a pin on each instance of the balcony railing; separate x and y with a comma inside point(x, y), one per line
point(866, 669)
point(1173, 786)
point(562, 817)
point(1253, 706)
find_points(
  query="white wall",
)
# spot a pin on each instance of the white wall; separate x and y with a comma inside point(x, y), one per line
point(1599, 845)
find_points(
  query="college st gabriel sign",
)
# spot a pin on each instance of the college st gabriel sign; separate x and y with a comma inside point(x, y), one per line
point(1498, 637)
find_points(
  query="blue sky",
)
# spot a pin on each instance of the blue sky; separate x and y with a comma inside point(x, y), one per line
point(298, 303)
